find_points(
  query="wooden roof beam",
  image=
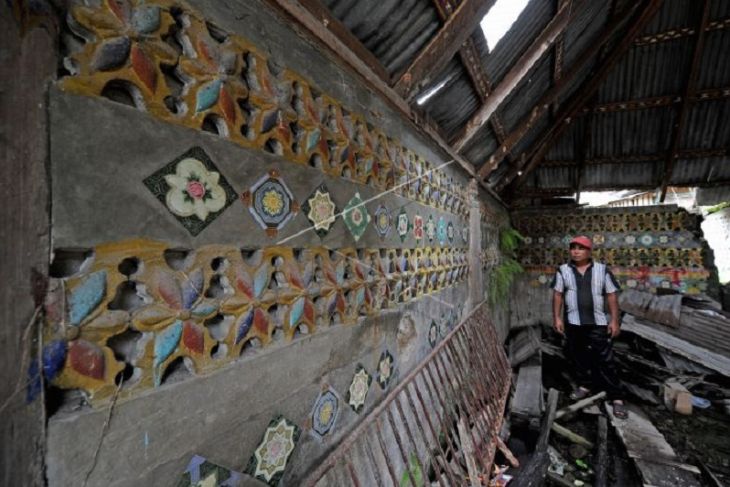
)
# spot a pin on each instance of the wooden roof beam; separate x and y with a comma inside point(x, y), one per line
point(588, 88)
point(638, 158)
point(515, 75)
point(679, 33)
point(442, 47)
point(683, 111)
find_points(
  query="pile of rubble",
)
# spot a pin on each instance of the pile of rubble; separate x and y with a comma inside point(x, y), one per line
point(673, 356)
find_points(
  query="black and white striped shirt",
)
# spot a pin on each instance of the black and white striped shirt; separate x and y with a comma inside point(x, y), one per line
point(568, 281)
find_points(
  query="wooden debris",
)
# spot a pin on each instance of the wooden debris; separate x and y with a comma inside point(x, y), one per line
point(524, 345)
point(527, 403)
point(677, 398)
point(579, 405)
point(660, 309)
point(533, 473)
point(602, 454)
point(558, 480)
point(655, 459)
point(467, 448)
point(574, 437)
point(707, 474)
point(507, 453)
point(709, 359)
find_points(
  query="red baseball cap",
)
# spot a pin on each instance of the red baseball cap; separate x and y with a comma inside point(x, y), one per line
point(582, 240)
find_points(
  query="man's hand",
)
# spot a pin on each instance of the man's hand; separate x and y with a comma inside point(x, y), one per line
point(613, 329)
point(559, 326)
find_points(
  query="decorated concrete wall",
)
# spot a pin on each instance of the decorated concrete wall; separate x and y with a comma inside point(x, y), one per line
point(249, 248)
point(646, 247)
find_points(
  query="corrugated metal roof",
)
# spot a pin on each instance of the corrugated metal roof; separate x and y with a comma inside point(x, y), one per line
point(707, 126)
point(456, 102)
point(715, 68)
point(638, 132)
point(636, 174)
point(700, 171)
point(394, 30)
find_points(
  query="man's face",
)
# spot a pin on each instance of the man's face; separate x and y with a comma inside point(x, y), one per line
point(579, 253)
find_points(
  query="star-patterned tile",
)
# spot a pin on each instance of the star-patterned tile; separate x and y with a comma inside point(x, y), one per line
point(383, 221)
point(433, 334)
point(418, 228)
point(356, 216)
point(402, 225)
point(430, 228)
point(271, 203)
point(192, 188)
point(358, 390)
point(272, 455)
point(385, 369)
point(325, 412)
point(202, 473)
point(441, 230)
point(320, 210)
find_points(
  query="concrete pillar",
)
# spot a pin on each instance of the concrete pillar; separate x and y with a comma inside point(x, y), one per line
point(476, 282)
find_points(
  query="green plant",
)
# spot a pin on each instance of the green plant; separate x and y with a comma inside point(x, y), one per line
point(716, 208)
point(415, 469)
point(502, 276)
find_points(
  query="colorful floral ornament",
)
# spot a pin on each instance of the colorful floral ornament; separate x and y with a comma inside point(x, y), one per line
point(441, 230)
point(320, 210)
point(383, 221)
point(192, 189)
point(271, 203)
point(271, 456)
point(450, 232)
point(358, 390)
point(356, 216)
point(418, 228)
point(402, 225)
point(325, 412)
point(465, 234)
point(385, 369)
point(430, 228)
point(202, 473)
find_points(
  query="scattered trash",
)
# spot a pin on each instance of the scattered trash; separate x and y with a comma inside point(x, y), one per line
point(557, 462)
point(700, 402)
point(578, 483)
point(500, 479)
point(582, 464)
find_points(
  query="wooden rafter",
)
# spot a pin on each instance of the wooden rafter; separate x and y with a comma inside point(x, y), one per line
point(531, 192)
point(472, 62)
point(558, 51)
point(587, 89)
point(515, 75)
point(442, 47)
point(679, 33)
point(637, 158)
point(683, 109)
point(658, 101)
point(583, 151)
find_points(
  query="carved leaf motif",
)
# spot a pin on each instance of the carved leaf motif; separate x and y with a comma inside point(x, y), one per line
point(146, 19)
point(260, 321)
point(169, 289)
point(244, 283)
point(112, 54)
point(121, 8)
point(207, 95)
point(243, 326)
point(86, 359)
point(261, 280)
point(144, 68)
point(225, 102)
point(296, 312)
point(192, 288)
point(152, 316)
point(86, 297)
point(166, 342)
point(193, 337)
point(54, 357)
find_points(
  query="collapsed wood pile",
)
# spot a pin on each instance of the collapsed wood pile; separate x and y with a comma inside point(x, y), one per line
point(674, 361)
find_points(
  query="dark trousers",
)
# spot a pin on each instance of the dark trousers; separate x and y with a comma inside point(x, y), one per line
point(590, 351)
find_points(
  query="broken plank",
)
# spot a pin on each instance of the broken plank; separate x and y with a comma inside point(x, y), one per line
point(574, 437)
point(602, 454)
point(579, 405)
point(523, 346)
point(655, 459)
point(695, 353)
point(527, 401)
point(533, 473)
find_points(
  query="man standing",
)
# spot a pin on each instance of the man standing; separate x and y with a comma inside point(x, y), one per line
point(585, 287)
